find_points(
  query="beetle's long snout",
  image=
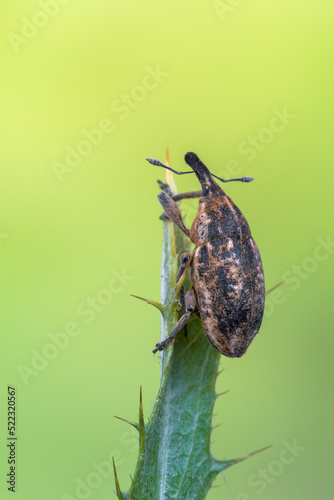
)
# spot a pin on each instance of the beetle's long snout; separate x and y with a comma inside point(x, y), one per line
point(202, 173)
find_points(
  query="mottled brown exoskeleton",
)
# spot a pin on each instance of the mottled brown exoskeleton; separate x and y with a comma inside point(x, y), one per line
point(225, 266)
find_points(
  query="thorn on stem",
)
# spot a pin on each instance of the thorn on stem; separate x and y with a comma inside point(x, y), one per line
point(159, 306)
point(118, 489)
point(215, 426)
point(222, 393)
point(134, 424)
point(274, 288)
point(258, 451)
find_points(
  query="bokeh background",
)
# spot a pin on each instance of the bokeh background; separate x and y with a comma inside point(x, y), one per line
point(88, 91)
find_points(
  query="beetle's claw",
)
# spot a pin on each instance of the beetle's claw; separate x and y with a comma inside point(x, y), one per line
point(157, 348)
point(160, 346)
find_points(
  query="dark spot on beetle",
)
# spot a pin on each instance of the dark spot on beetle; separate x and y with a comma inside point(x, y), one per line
point(222, 280)
point(220, 249)
point(204, 255)
point(214, 230)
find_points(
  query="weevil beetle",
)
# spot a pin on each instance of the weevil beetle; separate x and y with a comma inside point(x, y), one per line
point(225, 267)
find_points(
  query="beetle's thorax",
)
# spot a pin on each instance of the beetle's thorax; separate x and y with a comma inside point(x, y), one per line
point(218, 217)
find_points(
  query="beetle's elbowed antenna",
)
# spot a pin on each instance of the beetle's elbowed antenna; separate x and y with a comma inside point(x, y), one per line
point(158, 163)
point(242, 179)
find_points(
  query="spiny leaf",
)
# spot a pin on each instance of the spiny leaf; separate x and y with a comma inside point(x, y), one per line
point(118, 489)
point(159, 306)
point(134, 424)
point(220, 465)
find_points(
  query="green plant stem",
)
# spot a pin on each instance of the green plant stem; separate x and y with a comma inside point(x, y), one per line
point(174, 445)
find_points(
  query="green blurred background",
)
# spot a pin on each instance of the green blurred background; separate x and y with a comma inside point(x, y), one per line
point(248, 86)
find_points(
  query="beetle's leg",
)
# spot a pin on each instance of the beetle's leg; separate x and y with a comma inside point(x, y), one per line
point(190, 308)
point(185, 257)
point(172, 211)
point(182, 300)
point(165, 188)
point(182, 196)
point(188, 194)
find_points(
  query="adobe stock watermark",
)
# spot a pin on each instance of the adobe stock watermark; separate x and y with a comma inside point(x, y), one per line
point(100, 471)
point(86, 312)
point(31, 27)
point(250, 147)
point(120, 108)
point(298, 273)
point(263, 477)
point(223, 8)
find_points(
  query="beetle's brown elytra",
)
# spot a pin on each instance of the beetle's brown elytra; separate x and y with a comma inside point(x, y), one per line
point(225, 267)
